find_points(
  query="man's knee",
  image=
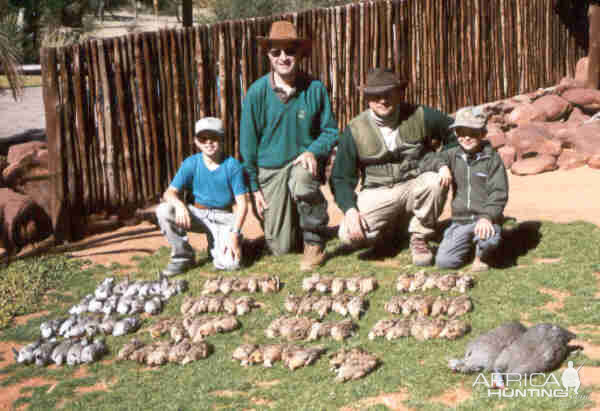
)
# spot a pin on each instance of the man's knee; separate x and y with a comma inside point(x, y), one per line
point(164, 211)
point(304, 186)
point(445, 260)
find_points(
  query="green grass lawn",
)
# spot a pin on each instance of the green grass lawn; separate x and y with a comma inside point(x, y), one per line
point(418, 367)
point(28, 81)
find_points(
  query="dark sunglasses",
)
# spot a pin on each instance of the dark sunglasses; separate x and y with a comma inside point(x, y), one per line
point(288, 52)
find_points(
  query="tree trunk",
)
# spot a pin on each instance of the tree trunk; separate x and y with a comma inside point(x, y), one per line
point(593, 77)
point(187, 13)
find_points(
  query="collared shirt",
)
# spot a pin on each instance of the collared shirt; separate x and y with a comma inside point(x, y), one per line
point(284, 95)
point(388, 127)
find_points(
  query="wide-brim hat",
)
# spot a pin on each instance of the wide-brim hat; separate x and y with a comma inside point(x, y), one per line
point(381, 80)
point(283, 33)
point(470, 117)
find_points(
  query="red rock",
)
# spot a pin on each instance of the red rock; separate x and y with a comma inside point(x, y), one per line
point(507, 154)
point(594, 161)
point(586, 98)
point(581, 69)
point(553, 106)
point(568, 83)
point(533, 139)
point(553, 127)
point(18, 151)
point(525, 113)
point(584, 139)
point(495, 136)
point(534, 165)
point(577, 116)
point(570, 159)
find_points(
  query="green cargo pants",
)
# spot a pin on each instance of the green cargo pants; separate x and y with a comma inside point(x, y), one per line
point(297, 209)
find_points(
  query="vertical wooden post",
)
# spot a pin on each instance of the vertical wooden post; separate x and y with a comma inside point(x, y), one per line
point(59, 207)
point(593, 74)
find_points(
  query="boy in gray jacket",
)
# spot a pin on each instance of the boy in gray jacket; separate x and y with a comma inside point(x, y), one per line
point(480, 187)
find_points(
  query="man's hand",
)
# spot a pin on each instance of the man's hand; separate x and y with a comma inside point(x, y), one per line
point(235, 246)
point(445, 175)
point(484, 229)
point(308, 161)
point(356, 225)
point(259, 203)
point(182, 216)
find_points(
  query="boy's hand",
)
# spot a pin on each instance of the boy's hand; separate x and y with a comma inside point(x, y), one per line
point(484, 229)
point(356, 225)
point(445, 175)
point(182, 216)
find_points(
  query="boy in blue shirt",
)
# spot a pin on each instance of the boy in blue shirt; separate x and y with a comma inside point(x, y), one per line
point(216, 183)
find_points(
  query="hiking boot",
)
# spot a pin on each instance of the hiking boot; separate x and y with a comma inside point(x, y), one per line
point(421, 254)
point(479, 265)
point(313, 257)
point(177, 267)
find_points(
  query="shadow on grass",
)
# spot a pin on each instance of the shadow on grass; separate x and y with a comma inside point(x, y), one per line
point(516, 242)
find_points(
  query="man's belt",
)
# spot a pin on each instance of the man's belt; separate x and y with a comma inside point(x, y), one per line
point(229, 208)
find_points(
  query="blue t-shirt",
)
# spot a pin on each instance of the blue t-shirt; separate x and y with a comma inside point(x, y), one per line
point(215, 189)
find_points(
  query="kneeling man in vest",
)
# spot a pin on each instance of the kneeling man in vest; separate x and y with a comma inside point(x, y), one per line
point(387, 145)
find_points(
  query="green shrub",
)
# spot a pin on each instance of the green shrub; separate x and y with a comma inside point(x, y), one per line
point(24, 282)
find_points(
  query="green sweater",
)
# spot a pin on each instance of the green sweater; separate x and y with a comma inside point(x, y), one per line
point(348, 169)
point(273, 133)
point(479, 183)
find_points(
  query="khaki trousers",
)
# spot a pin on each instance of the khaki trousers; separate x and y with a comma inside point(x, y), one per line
point(421, 200)
point(297, 208)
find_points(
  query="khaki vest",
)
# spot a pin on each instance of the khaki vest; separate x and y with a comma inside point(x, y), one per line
point(384, 167)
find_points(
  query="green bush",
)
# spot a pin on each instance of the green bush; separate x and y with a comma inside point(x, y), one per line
point(24, 282)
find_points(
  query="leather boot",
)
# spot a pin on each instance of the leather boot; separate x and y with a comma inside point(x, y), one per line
point(314, 256)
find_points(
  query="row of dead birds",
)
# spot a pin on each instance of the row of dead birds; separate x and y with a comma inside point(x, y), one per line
point(343, 304)
point(129, 297)
point(429, 305)
point(422, 328)
point(209, 304)
point(347, 364)
point(305, 328)
point(88, 325)
point(194, 328)
point(161, 352)
point(513, 348)
point(422, 282)
point(337, 285)
point(226, 285)
point(72, 351)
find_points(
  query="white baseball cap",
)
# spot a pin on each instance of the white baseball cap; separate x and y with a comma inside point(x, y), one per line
point(211, 124)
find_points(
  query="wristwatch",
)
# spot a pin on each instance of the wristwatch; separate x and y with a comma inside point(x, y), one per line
point(236, 231)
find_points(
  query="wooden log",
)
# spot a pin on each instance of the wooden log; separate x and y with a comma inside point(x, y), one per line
point(389, 35)
point(143, 100)
point(150, 82)
point(361, 54)
point(235, 32)
point(224, 87)
point(188, 87)
point(110, 164)
point(53, 113)
point(200, 87)
point(129, 191)
point(80, 123)
point(593, 73)
point(90, 125)
point(176, 96)
point(137, 130)
point(170, 139)
point(348, 96)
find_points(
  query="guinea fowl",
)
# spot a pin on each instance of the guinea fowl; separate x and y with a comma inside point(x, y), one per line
point(482, 352)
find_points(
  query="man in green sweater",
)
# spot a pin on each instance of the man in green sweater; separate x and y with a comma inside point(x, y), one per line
point(387, 145)
point(286, 133)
